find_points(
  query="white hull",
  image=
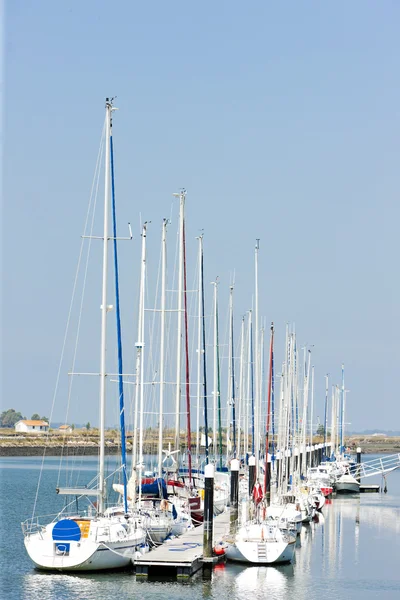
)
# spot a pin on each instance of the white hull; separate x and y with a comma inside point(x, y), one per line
point(108, 544)
point(260, 552)
point(90, 557)
point(347, 484)
point(347, 487)
point(260, 543)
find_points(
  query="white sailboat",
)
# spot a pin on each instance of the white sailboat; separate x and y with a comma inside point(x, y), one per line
point(261, 543)
point(99, 538)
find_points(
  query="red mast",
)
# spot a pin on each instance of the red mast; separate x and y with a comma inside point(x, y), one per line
point(267, 474)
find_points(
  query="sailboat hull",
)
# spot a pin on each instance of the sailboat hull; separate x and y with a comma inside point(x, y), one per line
point(260, 552)
point(102, 544)
point(347, 488)
point(87, 557)
point(347, 484)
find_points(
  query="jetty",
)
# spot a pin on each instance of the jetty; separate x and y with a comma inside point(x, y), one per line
point(182, 556)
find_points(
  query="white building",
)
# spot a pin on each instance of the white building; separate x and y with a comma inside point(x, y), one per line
point(29, 426)
point(65, 429)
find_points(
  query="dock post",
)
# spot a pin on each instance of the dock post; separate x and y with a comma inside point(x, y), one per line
point(208, 511)
point(252, 473)
point(234, 499)
point(358, 472)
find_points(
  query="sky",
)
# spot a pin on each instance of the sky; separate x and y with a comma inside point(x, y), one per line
point(282, 122)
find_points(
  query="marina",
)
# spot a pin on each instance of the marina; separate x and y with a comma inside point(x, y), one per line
point(200, 323)
point(333, 554)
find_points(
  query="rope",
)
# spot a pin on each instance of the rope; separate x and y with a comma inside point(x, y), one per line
point(66, 332)
point(188, 546)
point(114, 551)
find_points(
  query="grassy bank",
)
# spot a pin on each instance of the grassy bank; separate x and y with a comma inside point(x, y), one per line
point(86, 442)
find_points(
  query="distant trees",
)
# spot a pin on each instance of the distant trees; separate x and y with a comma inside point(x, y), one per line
point(37, 417)
point(320, 429)
point(9, 417)
point(88, 425)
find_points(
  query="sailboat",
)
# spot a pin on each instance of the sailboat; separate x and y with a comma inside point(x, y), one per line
point(100, 538)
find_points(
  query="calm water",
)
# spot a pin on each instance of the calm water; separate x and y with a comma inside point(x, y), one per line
point(353, 552)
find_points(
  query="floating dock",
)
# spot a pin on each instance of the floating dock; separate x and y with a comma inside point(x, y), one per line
point(368, 489)
point(182, 555)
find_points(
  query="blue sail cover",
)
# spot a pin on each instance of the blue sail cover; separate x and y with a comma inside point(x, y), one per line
point(157, 489)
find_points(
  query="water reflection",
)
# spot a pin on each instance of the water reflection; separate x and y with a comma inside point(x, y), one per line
point(257, 582)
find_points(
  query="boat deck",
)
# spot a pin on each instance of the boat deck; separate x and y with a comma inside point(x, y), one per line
point(182, 555)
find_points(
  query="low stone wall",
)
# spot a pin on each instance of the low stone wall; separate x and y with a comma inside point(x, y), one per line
point(55, 450)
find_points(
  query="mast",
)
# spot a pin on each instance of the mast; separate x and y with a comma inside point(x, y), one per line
point(267, 477)
point(182, 197)
point(312, 410)
point(204, 352)
point(325, 415)
point(232, 357)
point(251, 363)
point(119, 337)
point(257, 362)
point(215, 394)
point(341, 412)
point(273, 403)
point(241, 388)
point(199, 353)
point(162, 340)
point(189, 434)
point(140, 346)
point(219, 391)
point(103, 349)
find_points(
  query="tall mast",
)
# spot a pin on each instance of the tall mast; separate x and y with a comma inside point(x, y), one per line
point(215, 394)
point(251, 364)
point(257, 362)
point(271, 351)
point(103, 348)
point(232, 385)
point(119, 336)
point(140, 346)
point(333, 420)
point(325, 415)
point(312, 407)
point(341, 412)
point(162, 340)
point(188, 425)
point(181, 196)
point(241, 388)
point(204, 352)
point(199, 350)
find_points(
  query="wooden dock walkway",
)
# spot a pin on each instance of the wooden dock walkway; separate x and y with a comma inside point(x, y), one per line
point(182, 555)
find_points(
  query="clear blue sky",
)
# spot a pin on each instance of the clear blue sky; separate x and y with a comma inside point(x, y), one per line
point(282, 121)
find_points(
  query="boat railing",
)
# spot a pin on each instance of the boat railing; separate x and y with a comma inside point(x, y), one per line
point(36, 524)
point(377, 466)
